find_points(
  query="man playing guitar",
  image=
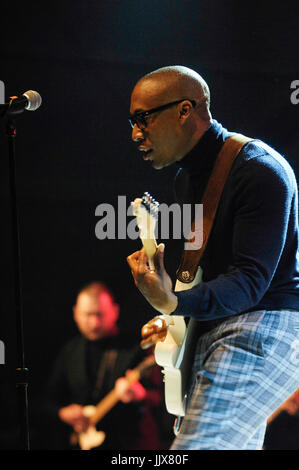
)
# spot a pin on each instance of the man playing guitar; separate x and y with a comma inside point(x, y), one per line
point(94, 388)
point(245, 363)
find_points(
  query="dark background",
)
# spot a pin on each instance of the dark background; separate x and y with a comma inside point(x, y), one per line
point(75, 152)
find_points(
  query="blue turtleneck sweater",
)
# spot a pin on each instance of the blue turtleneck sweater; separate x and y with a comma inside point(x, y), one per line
point(251, 261)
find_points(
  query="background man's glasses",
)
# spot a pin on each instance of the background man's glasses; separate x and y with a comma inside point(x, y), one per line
point(139, 118)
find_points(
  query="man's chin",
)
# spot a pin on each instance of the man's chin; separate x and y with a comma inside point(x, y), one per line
point(95, 336)
point(157, 165)
point(162, 162)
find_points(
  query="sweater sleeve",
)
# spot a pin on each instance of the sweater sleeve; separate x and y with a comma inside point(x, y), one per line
point(264, 189)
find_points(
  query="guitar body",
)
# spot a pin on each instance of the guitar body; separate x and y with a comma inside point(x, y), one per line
point(175, 354)
point(90, 438)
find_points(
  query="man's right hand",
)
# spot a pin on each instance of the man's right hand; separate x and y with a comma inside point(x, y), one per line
point(152, 332)
point(73, 415)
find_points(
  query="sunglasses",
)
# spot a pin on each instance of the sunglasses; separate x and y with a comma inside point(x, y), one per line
point(139, 118)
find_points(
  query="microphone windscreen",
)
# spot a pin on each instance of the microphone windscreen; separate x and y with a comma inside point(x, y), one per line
point(34, 100)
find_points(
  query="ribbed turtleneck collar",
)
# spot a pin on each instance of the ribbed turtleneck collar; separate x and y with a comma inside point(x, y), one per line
point(204, 154)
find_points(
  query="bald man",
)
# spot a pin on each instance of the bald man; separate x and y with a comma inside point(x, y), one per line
point(247, 354)
point(90, 366)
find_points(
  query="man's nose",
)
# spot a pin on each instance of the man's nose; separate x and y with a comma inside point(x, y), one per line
point(137, 134)
point(96, 321)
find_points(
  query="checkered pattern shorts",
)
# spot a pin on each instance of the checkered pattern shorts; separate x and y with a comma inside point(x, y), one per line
point(244, 368)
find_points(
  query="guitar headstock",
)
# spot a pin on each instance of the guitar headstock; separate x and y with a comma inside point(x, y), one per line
point(146, 211)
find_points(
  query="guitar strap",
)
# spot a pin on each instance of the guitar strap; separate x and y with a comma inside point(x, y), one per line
point(227, 155)
point(106, 366)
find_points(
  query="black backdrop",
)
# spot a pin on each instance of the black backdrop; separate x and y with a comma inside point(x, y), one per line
point(75, 151)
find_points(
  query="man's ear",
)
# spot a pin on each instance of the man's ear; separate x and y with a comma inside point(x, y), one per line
point(74, 312)
point(185, 109)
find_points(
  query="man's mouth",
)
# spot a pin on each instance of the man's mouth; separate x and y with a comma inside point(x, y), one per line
point(146, 152)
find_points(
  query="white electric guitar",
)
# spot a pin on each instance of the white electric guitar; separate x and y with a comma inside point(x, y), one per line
point(175, 352)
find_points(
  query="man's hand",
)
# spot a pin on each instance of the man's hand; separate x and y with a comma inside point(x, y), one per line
point(152, 332)
point(291, 405)
point(156, 286)
point(127, 391)
point(73, 415)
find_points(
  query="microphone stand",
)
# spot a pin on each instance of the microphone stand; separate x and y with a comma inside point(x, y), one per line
point(21, 371)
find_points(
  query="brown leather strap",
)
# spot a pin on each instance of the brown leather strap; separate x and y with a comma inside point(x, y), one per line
point(229, 151)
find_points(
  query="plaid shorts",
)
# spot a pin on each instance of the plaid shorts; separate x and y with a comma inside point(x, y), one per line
point(244, 368)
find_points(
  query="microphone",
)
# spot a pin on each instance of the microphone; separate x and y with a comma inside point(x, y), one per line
point(30, 100)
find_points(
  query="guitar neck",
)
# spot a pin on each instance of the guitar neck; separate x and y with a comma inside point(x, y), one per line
point(110, 400)
point(150, 246)
point(146, 210)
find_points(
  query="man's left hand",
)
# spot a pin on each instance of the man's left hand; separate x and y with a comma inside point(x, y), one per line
point(156, 286)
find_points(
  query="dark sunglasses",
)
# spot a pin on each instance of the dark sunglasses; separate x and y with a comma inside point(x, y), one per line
point(139, 118)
